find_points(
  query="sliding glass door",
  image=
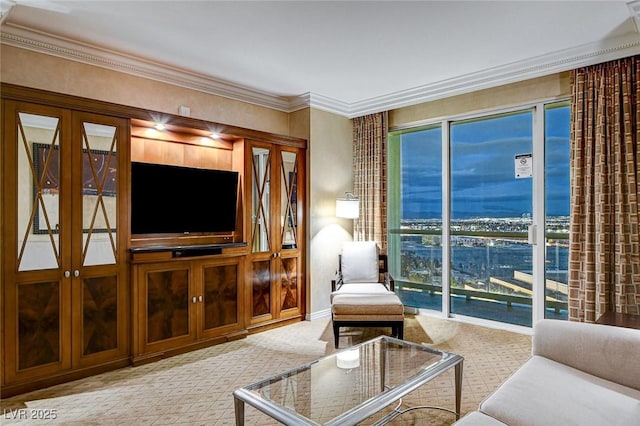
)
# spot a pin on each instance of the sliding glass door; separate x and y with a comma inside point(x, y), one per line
point(557, 201)
point(491, 274)
point(479, 214)
point(415, 240)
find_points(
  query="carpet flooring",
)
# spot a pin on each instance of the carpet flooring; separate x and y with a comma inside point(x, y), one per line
point(196, 388)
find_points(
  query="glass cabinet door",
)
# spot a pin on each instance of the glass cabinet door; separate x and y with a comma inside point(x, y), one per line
point(99, 193)
point(288, 259)
point(261, 200)
point(61, 258)
point(289, 200)
point(36, 255)
point(275, 271)
point(99, 275)
point(262, 238)
point(39, 192)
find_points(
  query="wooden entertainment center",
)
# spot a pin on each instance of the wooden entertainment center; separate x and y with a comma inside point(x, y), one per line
point(81, 294)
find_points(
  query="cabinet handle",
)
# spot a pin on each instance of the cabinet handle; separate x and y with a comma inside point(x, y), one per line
point(76, 273)
point(194, 299)
point(199, 298)
point(67, 274)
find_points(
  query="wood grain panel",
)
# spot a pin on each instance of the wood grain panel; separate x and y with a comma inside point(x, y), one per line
point(100, 314)
point(38, 324)
point(261, 288)
point(220, 295)
point(167, 304)
point(177, 154)
point(289, 282)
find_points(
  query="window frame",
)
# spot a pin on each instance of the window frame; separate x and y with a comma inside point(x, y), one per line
point(538, 109)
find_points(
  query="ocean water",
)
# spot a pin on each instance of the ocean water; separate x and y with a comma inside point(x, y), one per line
point(472, 266)
point(479, 258)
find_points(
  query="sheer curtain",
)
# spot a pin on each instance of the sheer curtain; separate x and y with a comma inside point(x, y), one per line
point(604, 259)
point(370, 177)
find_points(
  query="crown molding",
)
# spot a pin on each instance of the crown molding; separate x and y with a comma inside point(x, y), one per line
point(41, 42)
point(540, 66)
point(328, 104)
point(589, 54)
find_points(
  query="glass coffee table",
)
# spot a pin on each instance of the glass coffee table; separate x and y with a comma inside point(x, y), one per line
point(351, 385)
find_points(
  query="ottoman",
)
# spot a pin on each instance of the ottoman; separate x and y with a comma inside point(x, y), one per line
point(367, 310)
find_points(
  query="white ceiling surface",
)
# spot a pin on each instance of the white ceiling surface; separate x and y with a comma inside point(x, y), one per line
point(349, 57)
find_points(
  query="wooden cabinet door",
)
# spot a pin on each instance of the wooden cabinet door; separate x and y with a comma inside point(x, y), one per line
point(261, 289)
point(289, 238)
point(36, 238)
point(65, 296)
point(99, 223)
point(165, 308)
point(274, 182)
point(219, 297)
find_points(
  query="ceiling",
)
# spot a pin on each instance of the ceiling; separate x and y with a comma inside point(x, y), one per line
point(349, 57)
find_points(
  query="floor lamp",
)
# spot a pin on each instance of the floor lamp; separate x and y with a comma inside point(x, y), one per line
point(348, 208)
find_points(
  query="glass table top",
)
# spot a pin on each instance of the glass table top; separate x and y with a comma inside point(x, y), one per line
point(349, 385)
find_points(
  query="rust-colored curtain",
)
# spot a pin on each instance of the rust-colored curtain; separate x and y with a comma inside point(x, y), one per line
point(604, 254)
point(370, 177)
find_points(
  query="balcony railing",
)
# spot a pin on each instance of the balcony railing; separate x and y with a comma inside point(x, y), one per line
point(468, 294)
point(487, 266)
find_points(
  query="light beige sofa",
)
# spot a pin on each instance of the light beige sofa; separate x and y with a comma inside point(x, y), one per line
point(578, 374)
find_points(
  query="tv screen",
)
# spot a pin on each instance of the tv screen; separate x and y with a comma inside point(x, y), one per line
point(171, 199)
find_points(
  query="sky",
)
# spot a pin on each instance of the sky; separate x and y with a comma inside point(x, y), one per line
point(483, 181)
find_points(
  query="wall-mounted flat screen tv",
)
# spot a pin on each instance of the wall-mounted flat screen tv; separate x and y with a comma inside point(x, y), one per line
point(182, 200)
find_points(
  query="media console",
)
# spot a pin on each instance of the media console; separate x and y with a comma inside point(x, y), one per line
point(188, 251)
point(186, 297)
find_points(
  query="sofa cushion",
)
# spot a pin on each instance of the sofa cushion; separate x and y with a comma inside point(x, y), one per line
point(605, 351)
point(477, 418)
point(359, 262)
point(545, 392)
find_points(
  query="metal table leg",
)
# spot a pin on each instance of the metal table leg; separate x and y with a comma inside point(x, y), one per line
point(239, 407)
point(458, 373)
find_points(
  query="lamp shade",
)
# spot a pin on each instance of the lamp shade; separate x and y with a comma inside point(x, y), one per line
point(348, 207)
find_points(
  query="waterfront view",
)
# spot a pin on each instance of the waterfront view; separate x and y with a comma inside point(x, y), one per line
point(488, 175)
point(490, 260)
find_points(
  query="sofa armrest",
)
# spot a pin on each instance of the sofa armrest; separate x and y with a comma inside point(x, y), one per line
point(605, 351)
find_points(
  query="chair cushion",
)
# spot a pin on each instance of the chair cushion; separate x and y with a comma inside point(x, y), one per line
point(367, 307)
point(361, 289)
point(360, 262)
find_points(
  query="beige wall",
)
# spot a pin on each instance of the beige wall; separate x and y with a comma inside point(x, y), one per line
point(299, 124)
point(330, 172)
point(46, 72)
point(542, 88)
point(299, 127)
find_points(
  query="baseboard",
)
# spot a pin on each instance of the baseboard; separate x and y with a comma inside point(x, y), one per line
point(319, 314)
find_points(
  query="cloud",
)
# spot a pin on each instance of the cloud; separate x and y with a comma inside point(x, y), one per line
point(483, 178)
